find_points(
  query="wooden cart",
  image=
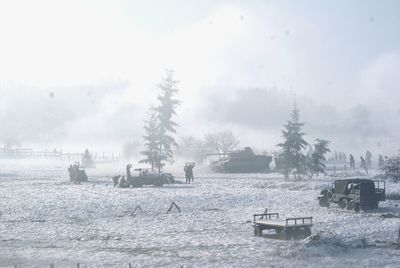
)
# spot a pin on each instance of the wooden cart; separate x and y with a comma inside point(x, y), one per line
point(286, 229)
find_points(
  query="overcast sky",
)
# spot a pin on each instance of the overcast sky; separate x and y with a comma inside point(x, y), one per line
point(86, 71)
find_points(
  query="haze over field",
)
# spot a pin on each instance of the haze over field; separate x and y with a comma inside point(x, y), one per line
point(85, 72)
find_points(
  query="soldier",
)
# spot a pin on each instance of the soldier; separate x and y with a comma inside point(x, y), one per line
point(128, 171)
point(122, 183)
point(71, 173)
point(189, 172)
point(115, 180)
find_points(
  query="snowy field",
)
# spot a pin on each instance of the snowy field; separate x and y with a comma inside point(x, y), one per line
point(44, 219)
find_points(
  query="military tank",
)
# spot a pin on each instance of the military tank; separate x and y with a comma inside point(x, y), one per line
point(242, 161)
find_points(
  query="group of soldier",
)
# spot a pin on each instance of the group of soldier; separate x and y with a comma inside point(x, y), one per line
point(120, 181)
point(76, 174)
point(189, 172)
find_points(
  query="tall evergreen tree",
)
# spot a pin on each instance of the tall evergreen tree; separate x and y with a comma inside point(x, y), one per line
point(316, 163)
point(293, 158)
point(161, 126)
point(166, 111)
point(151, 139)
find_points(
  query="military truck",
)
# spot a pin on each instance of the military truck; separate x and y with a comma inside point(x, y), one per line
point(144, 177)
point(354, 194)
point(241, 161)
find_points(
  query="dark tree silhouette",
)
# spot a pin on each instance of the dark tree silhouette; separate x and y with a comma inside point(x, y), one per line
point(293, 159)
point(151, 139)
point(316, 162)
point(165, 113)
point(160, 127)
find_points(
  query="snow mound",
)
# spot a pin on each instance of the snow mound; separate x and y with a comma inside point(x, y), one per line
point(324, 244)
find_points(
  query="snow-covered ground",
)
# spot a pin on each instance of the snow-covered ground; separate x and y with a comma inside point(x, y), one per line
point(44, 219)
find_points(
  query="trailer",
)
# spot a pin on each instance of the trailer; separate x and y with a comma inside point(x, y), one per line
point(285, 229)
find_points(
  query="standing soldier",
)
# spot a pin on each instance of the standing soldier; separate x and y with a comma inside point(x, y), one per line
point(128, 171)
point(186, 169)
point(189, 172)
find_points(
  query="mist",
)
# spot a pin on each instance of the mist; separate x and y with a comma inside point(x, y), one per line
point(84, 74)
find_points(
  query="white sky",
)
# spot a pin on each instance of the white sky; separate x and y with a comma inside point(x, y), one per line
point(337, 53)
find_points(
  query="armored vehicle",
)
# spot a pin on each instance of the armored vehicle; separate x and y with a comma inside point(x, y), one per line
point(144, 177)
point(242, 161)
point(354, 194)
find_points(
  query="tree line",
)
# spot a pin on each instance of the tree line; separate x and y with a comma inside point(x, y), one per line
point(296, 156)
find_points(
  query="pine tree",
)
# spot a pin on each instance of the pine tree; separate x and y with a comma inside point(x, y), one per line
point(151, 139)
point(160, 127)
point(317, 160)
point(293, 158)
point(165, 113)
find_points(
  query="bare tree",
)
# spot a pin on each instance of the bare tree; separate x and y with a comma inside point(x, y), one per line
point(220, 142)
point(191, 148)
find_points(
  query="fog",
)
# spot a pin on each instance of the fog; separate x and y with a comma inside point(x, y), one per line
point(83, 74)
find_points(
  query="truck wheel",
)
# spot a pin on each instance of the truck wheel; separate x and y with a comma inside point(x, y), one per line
point(329, 195)
point(343, 203)
point(351, 205)
point(324, 202)
point(257, 231)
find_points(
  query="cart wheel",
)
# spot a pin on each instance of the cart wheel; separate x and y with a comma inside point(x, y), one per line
point(351, 205)
point(357, 207)
point(343, 203)
point(257, 231)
